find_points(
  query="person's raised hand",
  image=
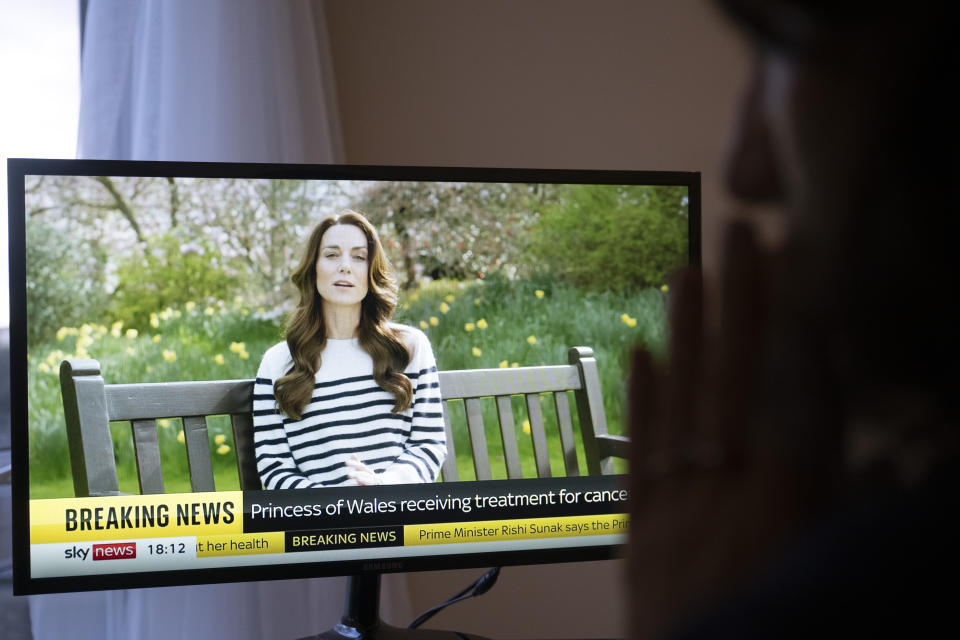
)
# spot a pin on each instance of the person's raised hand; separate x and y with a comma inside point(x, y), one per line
point(708, 504)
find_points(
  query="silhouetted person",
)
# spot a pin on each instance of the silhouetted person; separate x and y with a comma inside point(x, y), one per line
point(795, 464)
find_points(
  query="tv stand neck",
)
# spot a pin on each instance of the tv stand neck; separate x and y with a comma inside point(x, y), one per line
point(361, 618)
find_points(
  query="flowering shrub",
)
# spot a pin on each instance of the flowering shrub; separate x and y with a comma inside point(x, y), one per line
point(54, 300)
point(168, 272)
point(618, 238)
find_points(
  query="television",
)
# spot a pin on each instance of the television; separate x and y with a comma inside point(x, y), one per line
point(140, 289)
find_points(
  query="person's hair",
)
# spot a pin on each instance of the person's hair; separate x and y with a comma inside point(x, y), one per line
point(306, 333)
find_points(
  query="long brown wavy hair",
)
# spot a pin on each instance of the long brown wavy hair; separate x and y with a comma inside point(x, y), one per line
point(306, 333)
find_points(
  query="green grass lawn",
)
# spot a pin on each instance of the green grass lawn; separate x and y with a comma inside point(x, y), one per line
point(483, 324)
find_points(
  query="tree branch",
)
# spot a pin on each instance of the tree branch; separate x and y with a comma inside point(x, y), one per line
point(121, 205)
point(174, 201)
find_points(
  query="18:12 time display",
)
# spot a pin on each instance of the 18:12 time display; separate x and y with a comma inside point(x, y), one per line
point(171, 548)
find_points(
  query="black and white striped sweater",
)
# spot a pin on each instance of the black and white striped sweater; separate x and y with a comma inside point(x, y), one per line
point(349, 414)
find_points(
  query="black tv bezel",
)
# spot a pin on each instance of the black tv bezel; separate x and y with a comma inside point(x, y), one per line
point(19, 168)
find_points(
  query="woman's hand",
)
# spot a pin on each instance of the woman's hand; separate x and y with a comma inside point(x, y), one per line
point(710, 499)
point(364, 475)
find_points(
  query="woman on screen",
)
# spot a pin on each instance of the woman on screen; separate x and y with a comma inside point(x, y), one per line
point(348, 398)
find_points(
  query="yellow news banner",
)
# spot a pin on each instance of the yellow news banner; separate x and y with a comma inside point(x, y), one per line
point(525, 529)
point(238, 544)
point(131, 517)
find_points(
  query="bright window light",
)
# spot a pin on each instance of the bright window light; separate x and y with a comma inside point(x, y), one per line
point(40, 76)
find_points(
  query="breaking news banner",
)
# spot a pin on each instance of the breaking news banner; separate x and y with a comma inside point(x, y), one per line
point(124, 534)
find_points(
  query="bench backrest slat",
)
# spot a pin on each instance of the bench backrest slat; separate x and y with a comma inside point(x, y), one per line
point(198, 453)
point(508, 436)
point(147, 446)
point(565, 426)
point(449, 467)
point(242, 424)
point(478, 438)
point(90, 405)
point(538, 435)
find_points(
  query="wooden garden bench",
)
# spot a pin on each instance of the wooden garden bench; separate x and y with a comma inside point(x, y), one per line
point(90, 405)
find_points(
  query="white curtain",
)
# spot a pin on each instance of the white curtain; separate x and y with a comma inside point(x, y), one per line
point(210, 80)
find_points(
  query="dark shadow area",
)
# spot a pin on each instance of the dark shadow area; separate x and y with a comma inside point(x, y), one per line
point(14, 612)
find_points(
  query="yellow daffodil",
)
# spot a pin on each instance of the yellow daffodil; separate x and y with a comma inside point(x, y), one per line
point(664, 288)
point(423, 324)
point(632, 322)
point(223, 449)
point(156, 339)
point(130, 351)
point(244, 312)
point(180, 438)
point(514, 365)
point(218, 358)
point(469, 326)
point(261, 310)
point(538, 293)
point(237, 347)
point(164, 422)
point(476, 351)
point(148, 368)
point(449, 298)
point(132, 333)
point(115, 329)
point(444, 307)
point(627, 320)
point(526, 427)
point(169, 355)
point(531, 339)
point(481, 324)
point(87, 329)
point(219, 438)
point(476, 302)
point(62, 333)
point(434, 321)
point(43, 367)
point(503, 364)
point(243, 355)
point(154, 320)
point(190, 306)
point(208, 311)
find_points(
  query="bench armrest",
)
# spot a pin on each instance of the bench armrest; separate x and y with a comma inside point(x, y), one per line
point(611, 445)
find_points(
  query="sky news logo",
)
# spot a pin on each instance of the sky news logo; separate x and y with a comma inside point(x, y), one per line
point(115, 551)
point(107, 551)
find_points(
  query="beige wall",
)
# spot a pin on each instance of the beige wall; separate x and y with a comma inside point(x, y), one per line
point(599, 84)
point(604, 84)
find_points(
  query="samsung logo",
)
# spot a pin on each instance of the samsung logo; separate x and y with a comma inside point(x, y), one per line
point(382, 566)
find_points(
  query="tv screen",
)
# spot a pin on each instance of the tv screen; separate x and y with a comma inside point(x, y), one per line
point(228, 372)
